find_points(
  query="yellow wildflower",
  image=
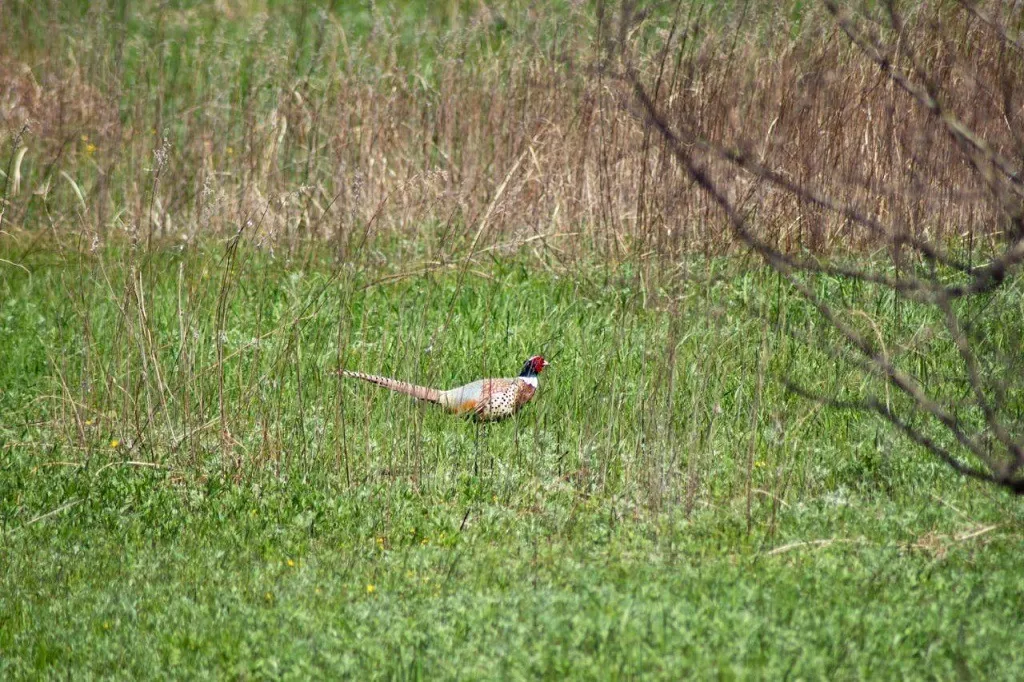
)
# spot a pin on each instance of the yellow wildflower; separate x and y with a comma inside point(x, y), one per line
point(370, 589)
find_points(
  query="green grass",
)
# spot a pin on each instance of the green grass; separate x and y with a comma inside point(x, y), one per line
point(341, 529)
point(188, 490)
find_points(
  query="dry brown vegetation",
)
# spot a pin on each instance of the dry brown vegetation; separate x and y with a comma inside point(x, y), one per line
point(540, 146)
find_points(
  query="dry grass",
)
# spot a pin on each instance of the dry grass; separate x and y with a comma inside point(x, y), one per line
point(362, 141)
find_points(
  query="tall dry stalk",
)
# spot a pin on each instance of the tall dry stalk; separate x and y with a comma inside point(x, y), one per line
point(365, 146)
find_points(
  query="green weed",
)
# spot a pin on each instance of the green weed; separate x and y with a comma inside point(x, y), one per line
point(190, 489)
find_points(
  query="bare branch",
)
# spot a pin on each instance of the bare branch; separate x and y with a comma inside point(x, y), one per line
point(925, 96)
point(873, 404)
point(993, 444)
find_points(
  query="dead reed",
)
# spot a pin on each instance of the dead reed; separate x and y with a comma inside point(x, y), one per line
point(325, 136)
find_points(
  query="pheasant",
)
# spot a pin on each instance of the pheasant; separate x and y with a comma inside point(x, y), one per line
point(484, 399)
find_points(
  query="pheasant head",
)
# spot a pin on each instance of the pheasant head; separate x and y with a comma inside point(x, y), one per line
point(534, 366)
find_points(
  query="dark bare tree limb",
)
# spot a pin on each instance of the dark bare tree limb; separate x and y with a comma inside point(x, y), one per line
point(989, 442)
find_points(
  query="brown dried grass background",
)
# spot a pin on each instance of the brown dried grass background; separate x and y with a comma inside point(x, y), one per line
point(536, 144)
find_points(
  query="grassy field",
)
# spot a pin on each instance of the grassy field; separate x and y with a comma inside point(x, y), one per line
point(659, 510)
point(208, 209)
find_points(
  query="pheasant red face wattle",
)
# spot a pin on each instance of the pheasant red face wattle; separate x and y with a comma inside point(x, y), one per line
point(534, 366)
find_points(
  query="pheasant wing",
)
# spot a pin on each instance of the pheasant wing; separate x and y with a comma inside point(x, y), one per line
point(497, 399)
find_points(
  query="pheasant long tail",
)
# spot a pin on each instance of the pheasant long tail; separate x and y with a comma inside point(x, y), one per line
point(419, 392)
